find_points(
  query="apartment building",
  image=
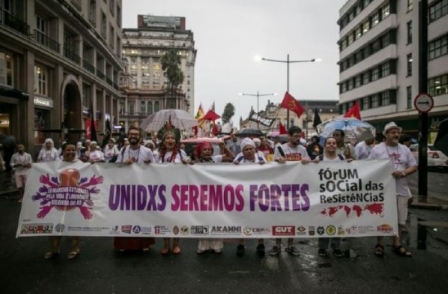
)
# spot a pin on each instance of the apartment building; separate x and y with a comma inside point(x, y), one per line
point(379, 61)
point(59, 66)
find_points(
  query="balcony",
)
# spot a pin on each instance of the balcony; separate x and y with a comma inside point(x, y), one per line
point(100, 74)
point(46, 41)
point(88, 66)
point(72, 55)
point(15, 23)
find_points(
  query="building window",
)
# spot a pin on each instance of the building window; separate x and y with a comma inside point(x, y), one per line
point(111, 36)
point(119, 16)
point(375, 74)
point(410, 32)
point(366, 78)
point(385, 11)
point(131, 107)
point(409, 65)
point(92, 12)
point(375, 19)
point(438, 47)
point(103, 25)
point(365, 103)
point(366, 26)
point(438, 10)
point(6, 69)
point(375, 101)
point(86, 101)
point(112, 7)
point(409, 97)
point(142, 107)
point(149, 107)
point(438, 85)
point(40, 80)
point(156, 106)
point(385, 98)
point(358, 33)
point(385, 69)
point(358, 81)
point(410, 5)
point(41, 30)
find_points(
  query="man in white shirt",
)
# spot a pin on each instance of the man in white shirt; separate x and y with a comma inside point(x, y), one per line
point(363, 149)
point(21, 162)
point(404, 165)
point(134, 152)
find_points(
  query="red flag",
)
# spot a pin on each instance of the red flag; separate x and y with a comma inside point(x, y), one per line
point(354, 111)
point(215, 130)
point(282, 129)
point(292, 104)
point(210, 115)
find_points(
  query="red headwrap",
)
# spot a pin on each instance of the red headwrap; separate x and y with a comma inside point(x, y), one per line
point(202, 145)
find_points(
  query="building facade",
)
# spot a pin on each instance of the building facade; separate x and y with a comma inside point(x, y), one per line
point(327, 109)
point(59, 65)
point(379, 61)
point(144, 81)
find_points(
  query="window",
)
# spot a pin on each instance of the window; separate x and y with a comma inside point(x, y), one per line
point(92, 12)
point(149, 107)
point(366, 78)
point(112, 7)
point(40, 80)
point(385, 11)
point(142, 107)
point(375, 74)
point(111, 36)
point(358, 33)
point(385, 98)
point(438, 10)
point(438, 47)
point(119, 16)
point(131, 108)
point(86, 100)
point(6, 69)
point(385, 40)
point(385, 69)
point(156, 106)
point(410, 5)
point(365, 103)
point(410, 32)
point(41, 29)
point(375, 101)
point(350, 84)
point(366, 26)
point(409, 97)
point(438, 85)
point(409, 65)
point(358, 81)
point(375, 19)
point(103, 25)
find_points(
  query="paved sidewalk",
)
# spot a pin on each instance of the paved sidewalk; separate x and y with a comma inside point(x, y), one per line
point(7, 187)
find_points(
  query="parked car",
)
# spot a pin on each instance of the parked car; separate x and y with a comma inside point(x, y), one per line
point(190, 144)
point(436, 158)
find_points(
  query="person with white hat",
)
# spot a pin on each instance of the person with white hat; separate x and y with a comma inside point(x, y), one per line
point(404, 165)
point(111, 151)
point(48, 153)
point(95, 155)
point(290, 151)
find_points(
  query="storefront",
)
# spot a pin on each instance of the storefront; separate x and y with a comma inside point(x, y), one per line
point(42, 117)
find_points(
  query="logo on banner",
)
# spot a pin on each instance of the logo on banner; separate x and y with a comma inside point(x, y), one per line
point(384, 228)
point(136, 229)
point(248, 231)
point(176, 230)
point(301, 230)
point(67, 192)
point(126, 229)
point(320, 230)
point(311, 230)
point(30, 229)
point(341, 231)
point(184, 230)
point(199, 230)
point(226, 230)
point(331, 230)
point(59, 228)
point(283, 231)
point(161, 230)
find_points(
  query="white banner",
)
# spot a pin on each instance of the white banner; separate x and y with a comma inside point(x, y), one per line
point(210, 200)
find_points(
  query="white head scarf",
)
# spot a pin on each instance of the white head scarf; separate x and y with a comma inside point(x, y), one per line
point(245, 142)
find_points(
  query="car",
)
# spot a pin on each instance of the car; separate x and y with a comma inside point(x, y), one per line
point(436, 158)
point(191, 143)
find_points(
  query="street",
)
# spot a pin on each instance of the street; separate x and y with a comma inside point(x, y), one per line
point(437, 183)
point(98, 269)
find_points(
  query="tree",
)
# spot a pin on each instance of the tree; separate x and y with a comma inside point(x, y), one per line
point(171, 62)
point(229, 111)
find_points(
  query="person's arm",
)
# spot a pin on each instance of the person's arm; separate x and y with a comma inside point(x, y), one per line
point(228, 154)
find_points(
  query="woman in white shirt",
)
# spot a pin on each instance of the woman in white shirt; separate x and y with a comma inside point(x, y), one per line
point(110, 150)
point(48, 153)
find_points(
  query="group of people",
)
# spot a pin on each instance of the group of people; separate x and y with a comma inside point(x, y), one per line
point(249, 151)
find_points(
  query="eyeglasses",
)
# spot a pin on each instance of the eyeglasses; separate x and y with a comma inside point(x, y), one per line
point(134, 134)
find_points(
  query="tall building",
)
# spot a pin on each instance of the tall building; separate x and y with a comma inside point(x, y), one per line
point(59, 65)
point(144, 82)
point(378, 61)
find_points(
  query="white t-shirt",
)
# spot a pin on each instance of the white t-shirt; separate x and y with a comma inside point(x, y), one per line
point(22, 159)
point(402, 159)
point(46, 155)
point(169, 157)
point(110, 152)
point(96, 156)
point(362, 150)
point(240, 158)
point(291, 153)
point(140, 155)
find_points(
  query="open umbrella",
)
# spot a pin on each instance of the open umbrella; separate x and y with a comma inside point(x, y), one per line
point(441, 142)
point(249, 133)
point(179, 118)
point(353, 128)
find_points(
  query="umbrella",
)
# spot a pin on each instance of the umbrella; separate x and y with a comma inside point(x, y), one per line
point(179, 118)
point(353, 128)
point(441, 142)
point(249, 133)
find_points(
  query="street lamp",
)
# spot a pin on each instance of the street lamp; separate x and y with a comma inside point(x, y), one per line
point(287, 61)
point(258, 95)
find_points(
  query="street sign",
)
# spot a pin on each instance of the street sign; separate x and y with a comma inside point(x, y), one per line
point(423, 102)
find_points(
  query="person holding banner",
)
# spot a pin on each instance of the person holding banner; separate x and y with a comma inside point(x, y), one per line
point(204, 153)
point(69, 156)
point(330, 154)
point(290, 151)
point(134, 153)
point(249, 155)
point(404, 165)
point(21, 163)
point(169, 152)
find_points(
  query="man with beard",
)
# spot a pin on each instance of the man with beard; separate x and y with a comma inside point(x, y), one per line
point(134, 153)
point(291, 151)
point(404, 165)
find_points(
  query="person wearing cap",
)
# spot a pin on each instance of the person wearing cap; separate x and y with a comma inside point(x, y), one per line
point(404, 165)
point(290, 151)
point(111, 151)
point(48, 153)
point(249, 155)
point(95, 155)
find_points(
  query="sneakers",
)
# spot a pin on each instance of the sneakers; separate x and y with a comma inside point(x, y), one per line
point(240, 250)
point(274, 251)
point(292, 250)
point(260, 250)
point(338, 253)
point(322, 252)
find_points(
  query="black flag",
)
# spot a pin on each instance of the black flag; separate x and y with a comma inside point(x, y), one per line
point(92, 125)
point(317, 120)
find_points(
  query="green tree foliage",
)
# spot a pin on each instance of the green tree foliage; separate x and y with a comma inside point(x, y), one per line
point(171, 62)
point(229, 111)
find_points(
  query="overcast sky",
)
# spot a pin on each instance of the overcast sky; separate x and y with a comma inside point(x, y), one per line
point(229, 33)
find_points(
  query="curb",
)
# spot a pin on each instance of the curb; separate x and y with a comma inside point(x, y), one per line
point(429, 206)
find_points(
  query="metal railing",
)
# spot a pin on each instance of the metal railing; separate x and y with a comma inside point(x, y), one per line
point(87, 65)
point(72, 55)
point(15, 23)
point(43, 39)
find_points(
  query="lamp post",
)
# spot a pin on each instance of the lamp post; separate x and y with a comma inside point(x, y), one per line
point(258, 95)
point(287, 61)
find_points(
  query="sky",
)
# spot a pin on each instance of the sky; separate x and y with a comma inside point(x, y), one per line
point(229, 33)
